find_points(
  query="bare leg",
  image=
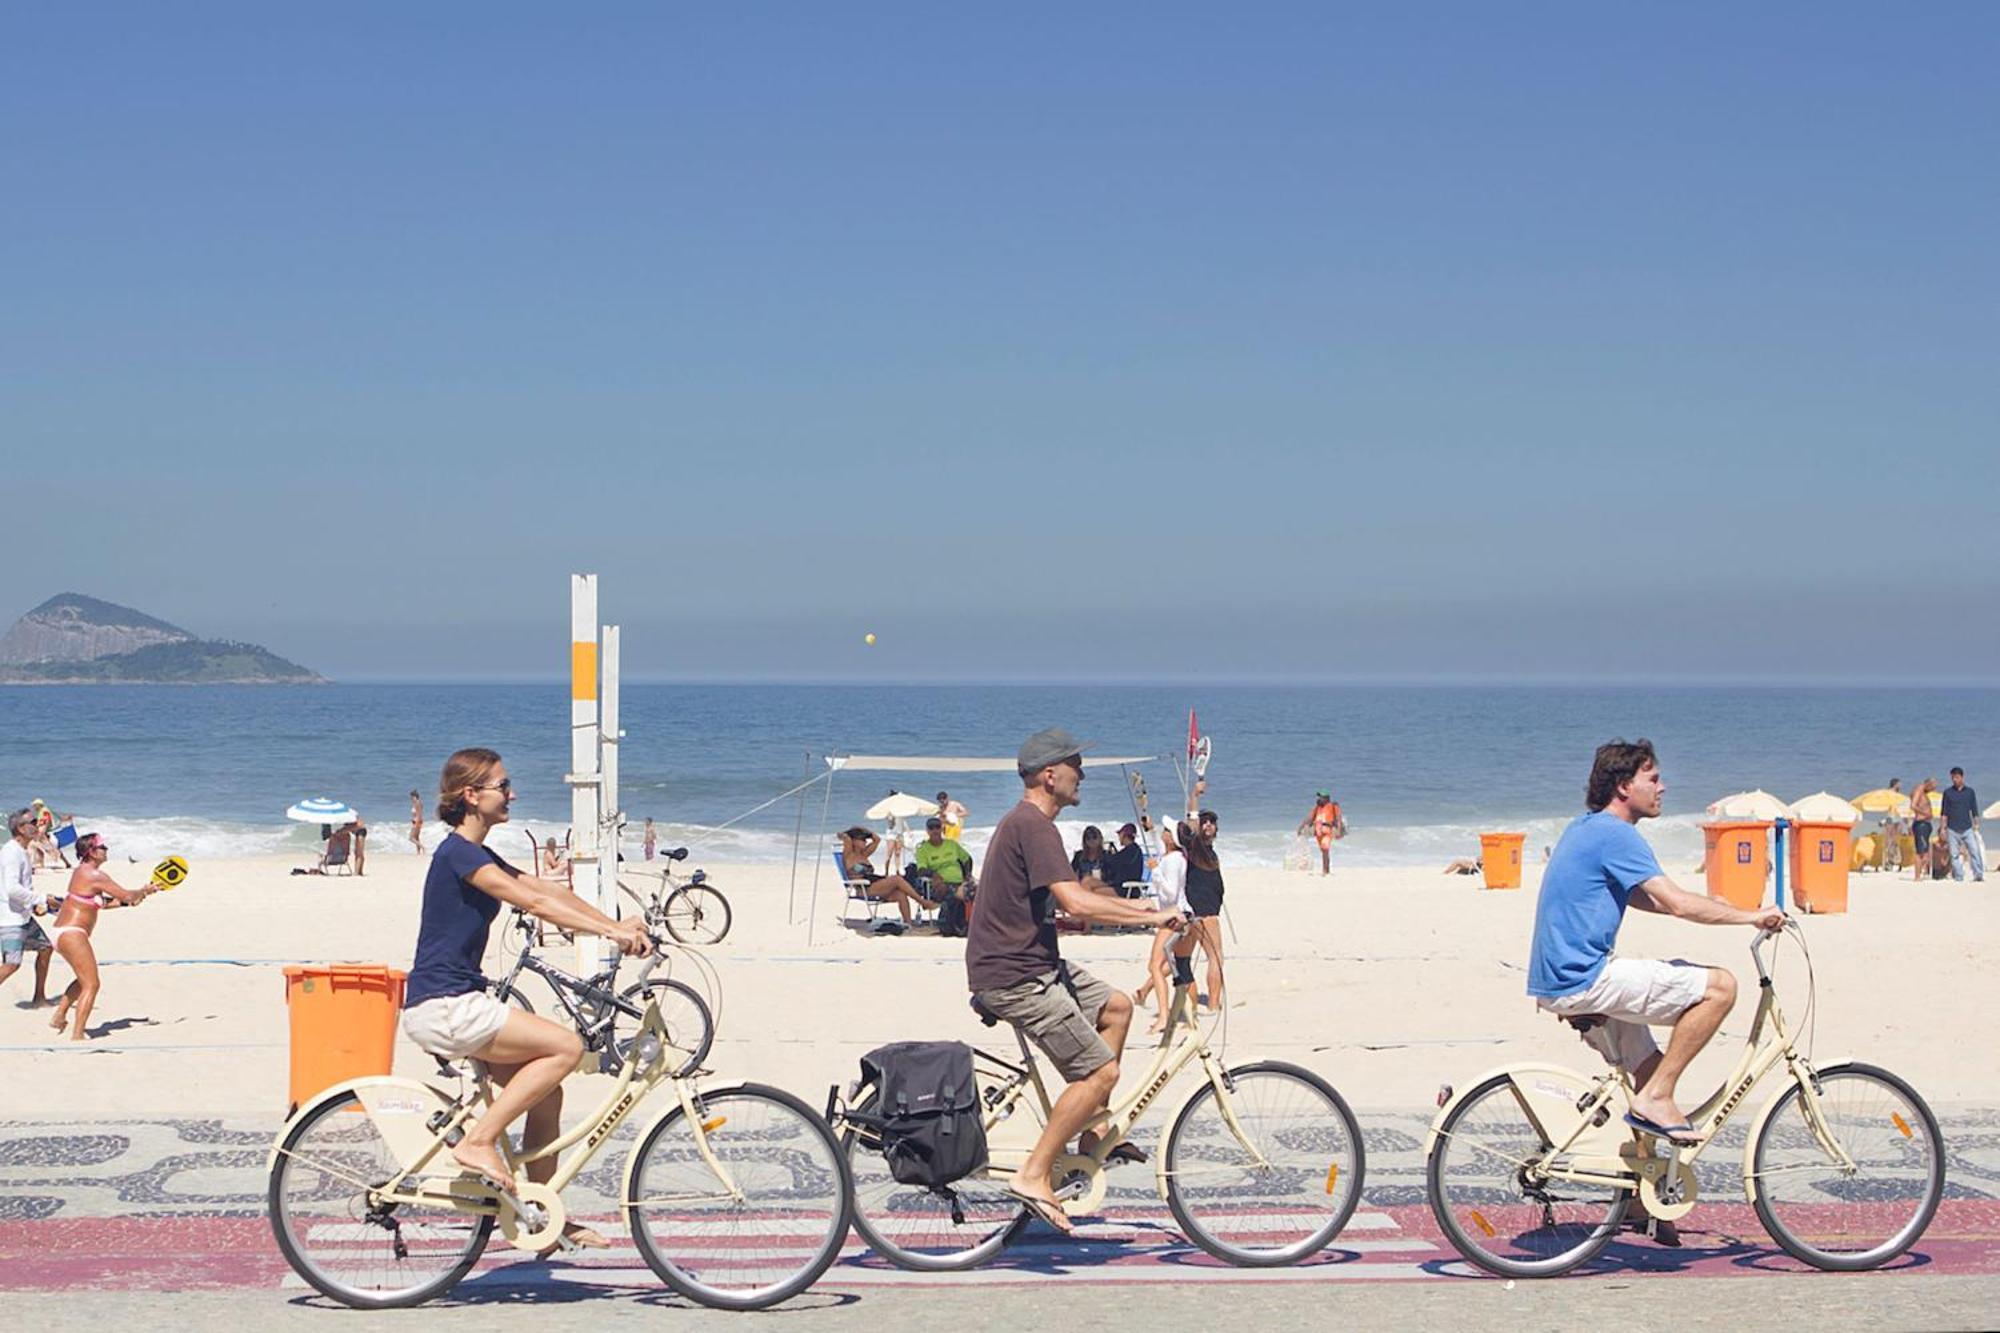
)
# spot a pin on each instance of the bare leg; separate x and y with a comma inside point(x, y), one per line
point(42, 957)
point(1211, 945)
point(1325, 860)
point(542, 1127)
point(1655, 1098)
point(8, 970)
point(82, 993)
point(1157, 972)
point(1076, 1107)
point(541, 1055)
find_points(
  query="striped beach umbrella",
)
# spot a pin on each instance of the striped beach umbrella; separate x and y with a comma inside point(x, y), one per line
point(321, 810)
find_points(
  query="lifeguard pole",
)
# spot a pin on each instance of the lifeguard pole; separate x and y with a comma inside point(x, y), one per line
point(586, 818)
point(607, 749)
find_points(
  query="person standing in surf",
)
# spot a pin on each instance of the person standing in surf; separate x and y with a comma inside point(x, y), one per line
point(416, 822)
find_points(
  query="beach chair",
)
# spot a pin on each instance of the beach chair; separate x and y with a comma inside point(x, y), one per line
point(857, 892)
point(334, 860)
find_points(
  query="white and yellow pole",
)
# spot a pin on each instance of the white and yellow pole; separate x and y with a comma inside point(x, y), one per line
point(585, 810)
point(614, 816)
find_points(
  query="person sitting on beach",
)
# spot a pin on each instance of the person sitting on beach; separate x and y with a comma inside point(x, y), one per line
point(448, 1009)
point(90, 891)
point(1087, 862)
point(1601, 866)
point(555, 861)
point(339, 847)
point(20, 934)
point(857, 844)
point(944, 869)
point(1015, 969)
point(1465, 865)
point(1126, 864)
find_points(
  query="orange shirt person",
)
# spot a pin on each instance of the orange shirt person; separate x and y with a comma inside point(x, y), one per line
point(1326, 825)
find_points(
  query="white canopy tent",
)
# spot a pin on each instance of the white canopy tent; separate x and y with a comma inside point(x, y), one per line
point(896, 763)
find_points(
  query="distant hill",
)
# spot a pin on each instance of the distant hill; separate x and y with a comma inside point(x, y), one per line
point(74, 639)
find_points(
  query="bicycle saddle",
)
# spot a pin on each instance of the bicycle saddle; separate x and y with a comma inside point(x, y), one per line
point(677, 854)
point(986, 1016)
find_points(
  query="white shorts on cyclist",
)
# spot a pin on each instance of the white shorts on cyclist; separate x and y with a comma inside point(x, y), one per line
point(1632, 993)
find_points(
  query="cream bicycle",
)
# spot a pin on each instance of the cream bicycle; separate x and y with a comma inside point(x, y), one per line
point(1531, 1171)
point(1262, 1164)
point(736, 1195)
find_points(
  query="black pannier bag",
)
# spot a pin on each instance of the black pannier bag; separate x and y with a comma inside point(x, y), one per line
point(926, 1110)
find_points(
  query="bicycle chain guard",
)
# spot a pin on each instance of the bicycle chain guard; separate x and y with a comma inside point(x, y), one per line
point(1653, 1172)
point(1079, 1182)
point(517, 1230)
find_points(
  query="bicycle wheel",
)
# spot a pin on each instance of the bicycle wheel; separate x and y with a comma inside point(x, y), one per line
point(696, 914)
point(921, 1229)
point(772, 1237)
point(1846, 1220)
point(372, 1259)
point(1283, 1189)
point(690, 1027)
point(1495, 1209)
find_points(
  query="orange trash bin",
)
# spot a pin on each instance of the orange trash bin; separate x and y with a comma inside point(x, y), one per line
point(1739, 860)
point(1500, 859)
point(1820, 854)
point(343, 1018)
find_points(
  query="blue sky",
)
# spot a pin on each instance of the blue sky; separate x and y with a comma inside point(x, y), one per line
point(1150, 341)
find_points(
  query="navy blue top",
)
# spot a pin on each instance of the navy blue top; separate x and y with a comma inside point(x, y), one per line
point(452, 936)
point(1959, 804)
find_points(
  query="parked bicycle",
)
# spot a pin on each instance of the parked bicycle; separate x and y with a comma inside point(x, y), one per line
point(1262, 1164)
point(737, 1195)
point(693, 912)
point(1531, 1171)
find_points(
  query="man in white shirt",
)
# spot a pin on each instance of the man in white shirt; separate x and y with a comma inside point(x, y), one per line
point(19, 934)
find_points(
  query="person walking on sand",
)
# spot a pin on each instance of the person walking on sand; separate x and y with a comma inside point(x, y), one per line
point(20, 934)
point(1016, 972)
point(1169, 887)
point(416, 821)
point(90, 891)
point(1921, 812)
point(651, 842)
point(1204, 891)
point(1326, 825)
point(1960, 808)
point(448, 1009)
point(357, 828)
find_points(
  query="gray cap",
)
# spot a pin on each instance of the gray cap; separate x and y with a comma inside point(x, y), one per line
point(1047, 747)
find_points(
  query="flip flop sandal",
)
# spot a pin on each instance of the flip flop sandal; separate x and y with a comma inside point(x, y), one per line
point(1126, 1152)
point(1050, 1213)
point(1681, 1135)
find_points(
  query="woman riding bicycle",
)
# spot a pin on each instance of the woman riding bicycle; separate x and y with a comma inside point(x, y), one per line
point(447, 1007)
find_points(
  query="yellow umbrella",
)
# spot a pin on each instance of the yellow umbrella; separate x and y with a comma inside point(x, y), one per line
point(1758, 804)
point(1823, 807)
point(1881, 801)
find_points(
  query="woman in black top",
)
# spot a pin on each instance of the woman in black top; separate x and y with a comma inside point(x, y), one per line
point(1204, 891)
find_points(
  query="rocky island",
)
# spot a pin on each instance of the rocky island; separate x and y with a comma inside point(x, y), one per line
point(76, 640)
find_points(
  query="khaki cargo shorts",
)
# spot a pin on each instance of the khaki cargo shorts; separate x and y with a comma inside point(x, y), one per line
point(1063, 1024)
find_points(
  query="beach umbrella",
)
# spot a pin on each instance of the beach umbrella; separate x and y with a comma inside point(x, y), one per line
point(900, 805)
point(1881, 801)
point(1823, 807)
point(1758, 804)
point(321, 810)
point(1991, 812)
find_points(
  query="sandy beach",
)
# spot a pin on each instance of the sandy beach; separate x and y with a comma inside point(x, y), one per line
point(1388, 982)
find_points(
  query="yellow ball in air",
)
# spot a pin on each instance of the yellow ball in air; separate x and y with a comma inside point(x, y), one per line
point(868, 639)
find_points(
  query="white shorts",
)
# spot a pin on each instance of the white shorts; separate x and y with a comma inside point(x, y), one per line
point(1631, 993)
point(456, 1026)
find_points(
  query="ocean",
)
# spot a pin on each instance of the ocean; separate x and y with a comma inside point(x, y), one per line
point(1419, 770)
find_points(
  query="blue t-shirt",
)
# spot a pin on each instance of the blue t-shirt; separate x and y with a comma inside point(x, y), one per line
point(1598, 863)
point(451, 938)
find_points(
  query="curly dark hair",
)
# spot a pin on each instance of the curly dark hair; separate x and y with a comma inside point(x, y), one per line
point(1616, 763)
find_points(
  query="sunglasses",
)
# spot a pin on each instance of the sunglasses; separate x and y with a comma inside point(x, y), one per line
point(504, 784)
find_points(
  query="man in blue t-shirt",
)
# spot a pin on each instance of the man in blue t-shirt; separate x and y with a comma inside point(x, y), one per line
point(1601, 865)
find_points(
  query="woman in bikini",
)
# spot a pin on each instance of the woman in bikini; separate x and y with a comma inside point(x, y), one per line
point(448, 1009)
point(1920, 827)
point(856, 846)
point(90, 891)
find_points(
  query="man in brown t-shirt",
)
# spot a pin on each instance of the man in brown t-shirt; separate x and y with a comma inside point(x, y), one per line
point(1015, 972)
